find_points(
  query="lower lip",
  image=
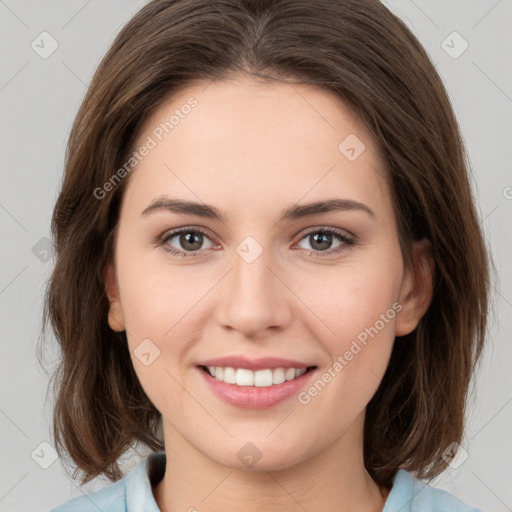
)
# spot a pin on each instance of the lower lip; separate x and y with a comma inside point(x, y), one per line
point(254, 397)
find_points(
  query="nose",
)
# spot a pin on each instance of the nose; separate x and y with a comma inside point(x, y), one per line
point(254, 297)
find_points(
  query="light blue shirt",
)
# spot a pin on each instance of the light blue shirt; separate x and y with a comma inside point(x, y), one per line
point(133, 493)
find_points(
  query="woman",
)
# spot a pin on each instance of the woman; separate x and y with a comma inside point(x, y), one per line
point(269, 266)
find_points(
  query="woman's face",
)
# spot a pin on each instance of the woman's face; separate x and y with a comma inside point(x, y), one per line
point(269, 276)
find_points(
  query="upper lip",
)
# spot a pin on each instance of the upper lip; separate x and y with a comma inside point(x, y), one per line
point(254, 364)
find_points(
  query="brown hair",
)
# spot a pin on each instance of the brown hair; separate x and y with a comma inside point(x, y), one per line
point(364, 53)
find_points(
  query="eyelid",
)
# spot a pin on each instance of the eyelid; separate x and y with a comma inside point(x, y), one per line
point(346, 237)
point(167, 235)
point(347, 240)
point(329, 229)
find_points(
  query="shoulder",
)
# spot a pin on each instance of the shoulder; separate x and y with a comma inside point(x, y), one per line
point(409, 494)
point(111, 498)
point(132, 493)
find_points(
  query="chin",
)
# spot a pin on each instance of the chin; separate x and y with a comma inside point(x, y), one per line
point(256, 458)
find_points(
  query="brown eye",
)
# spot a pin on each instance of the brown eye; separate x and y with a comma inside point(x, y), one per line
point(185, 241)
point(191, 241)
point(321, 240)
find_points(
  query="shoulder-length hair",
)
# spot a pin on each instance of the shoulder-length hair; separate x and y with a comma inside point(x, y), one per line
point(368, 56)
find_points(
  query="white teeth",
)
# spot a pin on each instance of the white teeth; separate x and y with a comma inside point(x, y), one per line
point(278, 376)
point(289, 374)
point(263, 378)
point(244, 377)
point(229, 375)
point(258, 378)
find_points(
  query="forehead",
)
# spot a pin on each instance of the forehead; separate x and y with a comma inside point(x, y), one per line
point(250, 143)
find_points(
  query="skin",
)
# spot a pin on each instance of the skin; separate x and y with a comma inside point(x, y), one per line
point(252, 149)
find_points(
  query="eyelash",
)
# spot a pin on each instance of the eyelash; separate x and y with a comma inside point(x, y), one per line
point(341, 236)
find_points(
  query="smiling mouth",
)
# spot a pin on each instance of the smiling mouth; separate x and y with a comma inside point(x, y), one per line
point(259, 378)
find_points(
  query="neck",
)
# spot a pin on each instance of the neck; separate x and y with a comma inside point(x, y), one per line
point(334, 479)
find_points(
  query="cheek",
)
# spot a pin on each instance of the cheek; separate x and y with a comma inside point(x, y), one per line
point(355, 313)
point(351, 298)
point(155, 296)
point(161, 311)
point(156, 305)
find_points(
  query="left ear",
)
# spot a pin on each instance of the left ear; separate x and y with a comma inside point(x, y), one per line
point(416, 291)
point(115, 312)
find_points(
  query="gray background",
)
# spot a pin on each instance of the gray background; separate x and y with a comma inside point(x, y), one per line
point(38, 100)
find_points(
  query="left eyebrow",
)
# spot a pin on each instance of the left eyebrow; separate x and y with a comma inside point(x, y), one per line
point(318, 207)
point(292, 212)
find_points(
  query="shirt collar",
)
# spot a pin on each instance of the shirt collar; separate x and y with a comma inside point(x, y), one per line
point(150, 470)
point(139, 493)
